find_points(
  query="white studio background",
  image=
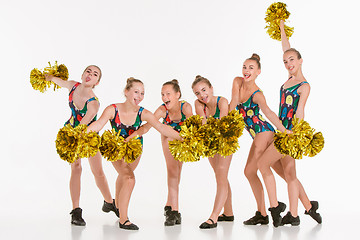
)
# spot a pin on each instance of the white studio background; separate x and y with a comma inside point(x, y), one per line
point(156, 41)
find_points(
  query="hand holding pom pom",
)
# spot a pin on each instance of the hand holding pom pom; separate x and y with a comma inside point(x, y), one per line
point(38, 78)
point(275, 13)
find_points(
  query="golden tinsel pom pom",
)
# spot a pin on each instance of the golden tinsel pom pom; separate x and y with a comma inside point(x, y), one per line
point(192, 146)
point(316, 145)
point(37, 77)
point(296, 143)
point(67, 144)
point(210, 134)
point(275, 13)
point(74, 143)
point(231, 128)
point(113, 147)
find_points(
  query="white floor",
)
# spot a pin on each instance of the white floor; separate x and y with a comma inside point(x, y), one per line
point(105, 226)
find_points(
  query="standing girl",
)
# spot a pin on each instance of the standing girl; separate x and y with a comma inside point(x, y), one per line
point(127, 117)
point(208, 105)
point(294, 93)
point(249, 100)
point(84, 106)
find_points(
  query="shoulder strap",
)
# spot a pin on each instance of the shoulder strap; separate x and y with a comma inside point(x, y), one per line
point(139, 113)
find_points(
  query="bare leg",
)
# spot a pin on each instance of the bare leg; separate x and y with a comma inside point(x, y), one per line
point(173, 176)
point(221, 168)
point(75, 183)
point(127, 177)
point(288, 164)
point(260, 143)
point(228, 210)
point(270, 156)
point(100, 178)
point(277, 166)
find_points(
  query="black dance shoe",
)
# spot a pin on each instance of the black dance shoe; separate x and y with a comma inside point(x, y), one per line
point(257, 219)
point(107, 207)
point(224, 218)
point(312, 212)
point(289, 219)
point(206, 225)
point(172, 218)
point(275, 213)
point(129, 226)
point(76, 217)
point(167, 209)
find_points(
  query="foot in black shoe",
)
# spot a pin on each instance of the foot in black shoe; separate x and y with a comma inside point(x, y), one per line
point(275, 213)
point(167, 209)
point(76, 217)
point(289, 219)
point(312, 212)
point(130, 226)
point(257, 219)
point(172, 218)
point(224, 218)
point(107, 207)
point(206, 225)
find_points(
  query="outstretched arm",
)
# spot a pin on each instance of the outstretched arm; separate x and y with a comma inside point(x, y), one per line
point(146, 127)
point(284, 40)
point(92, 109)
point(224, 107)
point(162, 128)
point(108, 114)
point(259, 98)
point(235, 93)
point(59, 81)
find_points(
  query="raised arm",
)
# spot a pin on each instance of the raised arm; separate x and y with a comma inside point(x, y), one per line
point(59, 81)
point(259, 98)
point(108, 114)
point(284, 40)
point(235, 93)
point(162, 128)
point(304, 92)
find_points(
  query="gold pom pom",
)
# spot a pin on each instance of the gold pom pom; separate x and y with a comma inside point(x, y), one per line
point(37, 80)
point(294, 144)
point(192, 146)
point(89, 144)
point(37, 77)
point(231, 128)
point(210, 134)
point(67, 144)
point(113, 147)
point(316, 145)
point(275, 13)
point(133, 150)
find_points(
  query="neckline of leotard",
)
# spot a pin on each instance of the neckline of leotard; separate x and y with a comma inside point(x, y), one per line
point(251, 96)
point(117, 112)
point(181, 111)
point(293, 85)
point(87, 101)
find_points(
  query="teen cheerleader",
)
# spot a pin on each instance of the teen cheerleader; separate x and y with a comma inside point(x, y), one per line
point(249, 100)
point(208, 105)
point(84, 106)
point(293, 95)
point(127, 117)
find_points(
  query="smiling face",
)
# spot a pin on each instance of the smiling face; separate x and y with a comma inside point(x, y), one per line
point(169, 96)
point(250, 70)
point(203, 92)
point(292, 62)
point(91, 76)
point(136, 93)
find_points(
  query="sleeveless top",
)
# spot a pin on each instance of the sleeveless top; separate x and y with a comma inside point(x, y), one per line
point(217, 111)
point(176, 125)
point(77, 114)
point(254, 121)
point(289, 100)
point(126, 130)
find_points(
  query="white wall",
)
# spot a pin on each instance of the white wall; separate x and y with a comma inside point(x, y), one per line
point(157, 41)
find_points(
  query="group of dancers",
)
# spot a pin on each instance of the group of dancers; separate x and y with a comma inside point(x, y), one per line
point(247, 98)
